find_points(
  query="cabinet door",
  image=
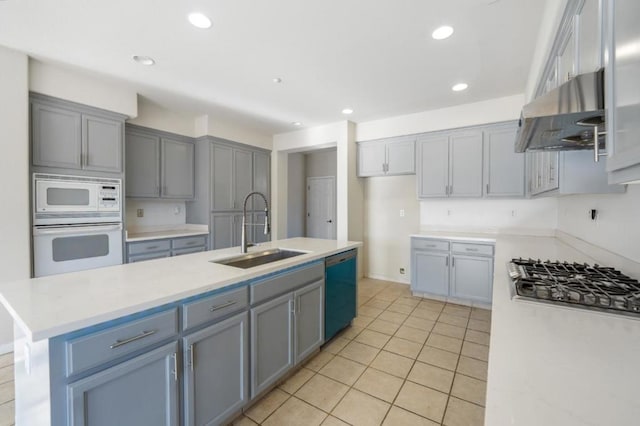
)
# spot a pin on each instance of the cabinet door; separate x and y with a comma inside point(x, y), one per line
point(371, 158)
point(309, 313)
point(142, 391)
point(56, 136)
point(590, 37)
point(472, 278)
point(271, 342)
point(401, 157)
point(433, 166)
point(258, 231)
point(465, 164)
point(102, 144)
point(242, 177)
point(225, 230)
point(261, 178)
point(216, 371)
point(222, 176)
point(431, 272)
point(567, 55)
point(623, 95)
point(142, 165)
point(504, 168)
point(177, 169)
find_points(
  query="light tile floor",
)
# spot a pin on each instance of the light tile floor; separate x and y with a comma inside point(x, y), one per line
point(404, 361)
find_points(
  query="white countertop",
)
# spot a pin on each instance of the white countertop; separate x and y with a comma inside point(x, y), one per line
point(556, 365)
point(458, 236)
point(159, 232)
point(49, 306)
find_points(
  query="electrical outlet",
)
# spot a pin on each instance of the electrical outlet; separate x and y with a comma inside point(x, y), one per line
point(401, 212)
point(402, 271)
point(513, 213)
point(140, 212)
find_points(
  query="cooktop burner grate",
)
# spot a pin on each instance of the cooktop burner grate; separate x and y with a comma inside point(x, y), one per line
point(576, 283)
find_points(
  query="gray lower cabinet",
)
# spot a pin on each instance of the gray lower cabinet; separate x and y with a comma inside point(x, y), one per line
point(272, 343)
point(226, 230)
point(216, 371)
point(159, 164)
point(73, 136)
point(141, 391)
point(452, 269)
point(288, 328)
point(155, 249)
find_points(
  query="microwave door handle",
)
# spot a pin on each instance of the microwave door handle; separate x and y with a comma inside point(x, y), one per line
point(69, 230)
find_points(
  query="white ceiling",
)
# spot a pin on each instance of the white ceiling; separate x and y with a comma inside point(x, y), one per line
point(376, 56)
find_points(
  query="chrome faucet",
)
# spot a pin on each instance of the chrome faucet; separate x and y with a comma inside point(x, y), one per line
point(267, 227)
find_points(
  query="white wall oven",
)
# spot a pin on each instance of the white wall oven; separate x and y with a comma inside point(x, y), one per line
point(77, 223)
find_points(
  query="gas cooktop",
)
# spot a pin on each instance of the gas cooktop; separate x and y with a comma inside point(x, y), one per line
point(577, 284)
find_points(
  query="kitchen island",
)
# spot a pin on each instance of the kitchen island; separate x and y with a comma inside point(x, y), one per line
point(79, 335)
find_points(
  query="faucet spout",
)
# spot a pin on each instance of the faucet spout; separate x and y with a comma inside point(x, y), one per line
point(267, 226)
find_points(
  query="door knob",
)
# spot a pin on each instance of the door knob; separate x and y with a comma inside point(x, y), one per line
point(329, 221)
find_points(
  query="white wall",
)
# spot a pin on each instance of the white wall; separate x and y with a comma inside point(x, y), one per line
point(321, 163)
point(617, 227)
point(157, 117)
point(14, 172)
point(83, 87)
point(296, 196)
point(156, 213)
point(221, 128)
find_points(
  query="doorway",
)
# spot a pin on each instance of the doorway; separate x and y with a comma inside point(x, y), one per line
point(321, 207)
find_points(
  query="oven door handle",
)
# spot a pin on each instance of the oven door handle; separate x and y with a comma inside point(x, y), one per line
point(70, 230)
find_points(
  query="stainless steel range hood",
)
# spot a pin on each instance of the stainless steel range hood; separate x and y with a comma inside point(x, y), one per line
point(566, 118)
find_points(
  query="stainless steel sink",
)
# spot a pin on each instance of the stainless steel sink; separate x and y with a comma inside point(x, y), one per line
point(250, 260)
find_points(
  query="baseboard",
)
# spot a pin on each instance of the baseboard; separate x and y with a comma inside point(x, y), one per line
point(6, 348)
point(385, 278)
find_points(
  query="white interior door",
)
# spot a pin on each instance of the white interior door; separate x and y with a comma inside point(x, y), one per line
point(321, 207)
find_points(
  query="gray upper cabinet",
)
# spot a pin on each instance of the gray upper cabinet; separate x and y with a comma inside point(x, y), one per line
point(222, 177)
point(504, 169)
point(75, 137)
point(143, 164)
point(242, 177)
point(623, 80)
point(142, 391)
point(177, 169)
point(216, 371)
point(261, 178)
point(433, 166)
point(387, 157)
point(567, 55)
point(159, 164)
point(450, 164)
point(225, 229)
point(465, 164)
point(590, 32)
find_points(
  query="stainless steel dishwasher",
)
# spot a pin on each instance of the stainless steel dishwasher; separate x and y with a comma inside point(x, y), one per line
point(340, 292)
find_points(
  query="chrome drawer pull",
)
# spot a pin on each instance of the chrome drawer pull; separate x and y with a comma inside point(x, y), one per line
point(190, 243)
point(471, 249)
point(152, 247)
point(142, 335)
point(224, 305)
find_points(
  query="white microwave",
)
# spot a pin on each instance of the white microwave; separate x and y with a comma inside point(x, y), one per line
point(61, 199)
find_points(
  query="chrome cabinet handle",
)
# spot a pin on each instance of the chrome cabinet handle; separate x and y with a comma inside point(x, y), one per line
point(224, 305)
point(190, 243)
point(471, 249)
point(152, 247)
point(446, 261)
point(175, 366)
point(596, 145)
point(142, 335)
point(453, 262)
point(487, 188)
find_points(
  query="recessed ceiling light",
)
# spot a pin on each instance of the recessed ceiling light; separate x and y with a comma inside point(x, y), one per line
point(297, 123)
point(277, 80)
point(459, 87)
point(347, 111)
point(199, 20)
point(144, 60)
point(442, 32)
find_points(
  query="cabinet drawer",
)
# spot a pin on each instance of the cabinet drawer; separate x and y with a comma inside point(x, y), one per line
point(188, 250)
point(149, 256)
point(149, 246)
point(181, 243)
point(472, 249)
point(98, 348)
point(283, 283)
point(213, 307)
point(425, 244)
